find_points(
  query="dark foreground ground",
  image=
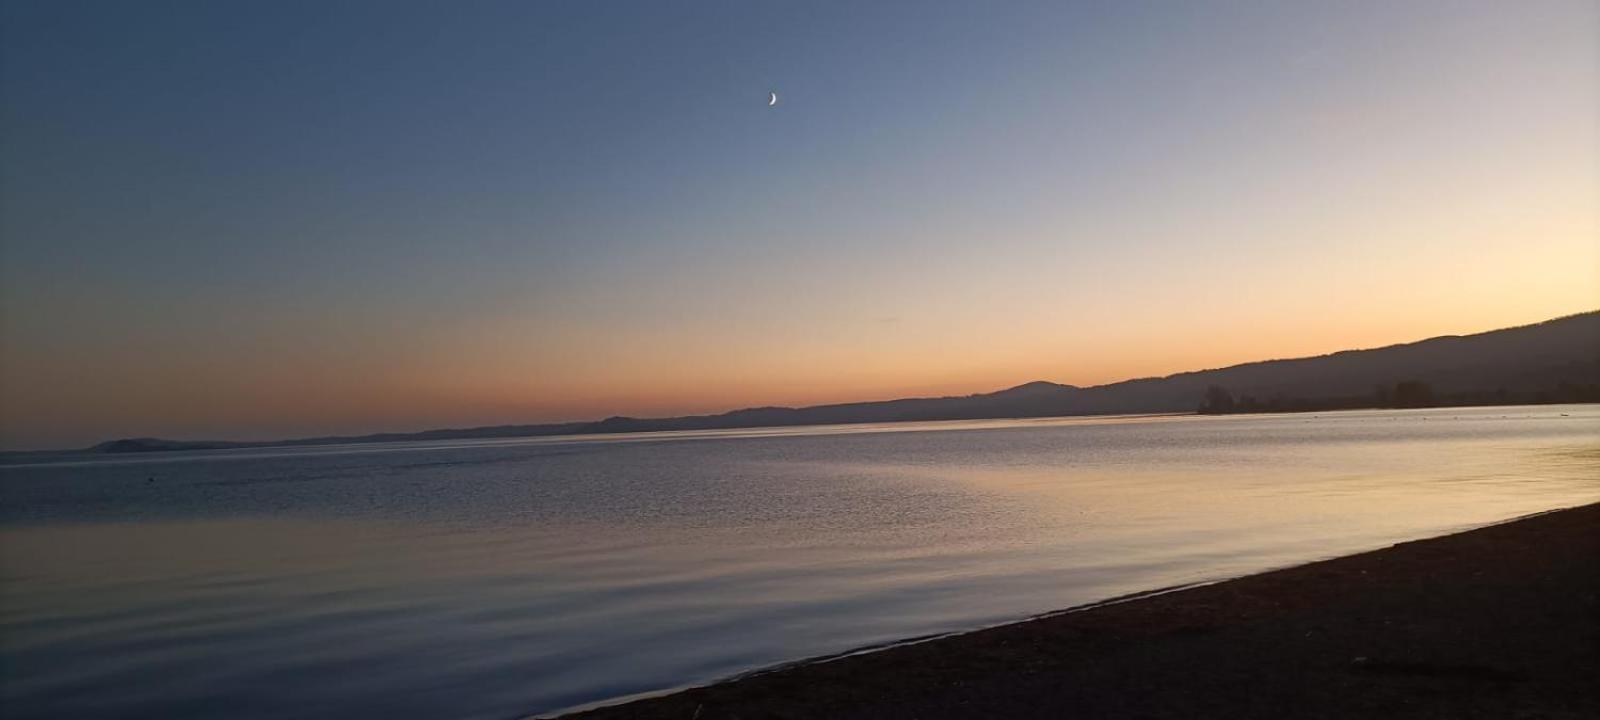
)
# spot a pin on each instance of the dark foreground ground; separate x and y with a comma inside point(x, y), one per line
point(1500, 622)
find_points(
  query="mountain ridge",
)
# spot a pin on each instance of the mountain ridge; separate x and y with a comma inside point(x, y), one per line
point(1538, 362)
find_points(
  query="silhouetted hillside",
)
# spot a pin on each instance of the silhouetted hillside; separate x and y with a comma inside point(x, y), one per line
point(1557, 360)
point(1517, 364)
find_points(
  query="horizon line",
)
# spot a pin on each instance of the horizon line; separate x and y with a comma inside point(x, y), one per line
point(553, 424)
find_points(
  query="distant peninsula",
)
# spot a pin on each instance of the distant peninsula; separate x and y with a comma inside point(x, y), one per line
point(1553, 361)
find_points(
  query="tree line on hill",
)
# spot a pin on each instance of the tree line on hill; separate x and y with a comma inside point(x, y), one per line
point(1219, 400)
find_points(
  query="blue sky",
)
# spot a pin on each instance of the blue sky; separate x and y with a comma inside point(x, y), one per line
point(229, 219)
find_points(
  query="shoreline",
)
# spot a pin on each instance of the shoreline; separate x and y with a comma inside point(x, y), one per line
point(1501, 620)
point(39, 458)
point(161, 446)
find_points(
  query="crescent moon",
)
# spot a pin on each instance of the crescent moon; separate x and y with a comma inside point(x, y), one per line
point(772, 99)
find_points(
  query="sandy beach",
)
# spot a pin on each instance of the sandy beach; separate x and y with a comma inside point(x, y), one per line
point(1496, 622)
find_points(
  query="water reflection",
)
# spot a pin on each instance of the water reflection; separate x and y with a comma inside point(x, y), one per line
point(507, 578)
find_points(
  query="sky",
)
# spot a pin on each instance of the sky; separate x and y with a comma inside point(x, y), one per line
point(250, 220)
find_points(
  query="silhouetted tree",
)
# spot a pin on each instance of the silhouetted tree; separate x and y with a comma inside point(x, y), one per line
point(1413, 394)
point(1217, 401)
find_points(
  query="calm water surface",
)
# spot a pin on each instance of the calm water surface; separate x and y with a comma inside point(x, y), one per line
point(498, 579)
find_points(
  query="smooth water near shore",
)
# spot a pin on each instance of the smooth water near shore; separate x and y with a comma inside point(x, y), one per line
point(503, 578)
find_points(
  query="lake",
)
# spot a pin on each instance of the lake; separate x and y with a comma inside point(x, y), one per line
point(498, 579)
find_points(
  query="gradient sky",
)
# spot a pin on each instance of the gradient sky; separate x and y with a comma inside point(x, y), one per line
point(269, 219)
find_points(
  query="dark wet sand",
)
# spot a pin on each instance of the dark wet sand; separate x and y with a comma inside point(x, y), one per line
point(1499, 622)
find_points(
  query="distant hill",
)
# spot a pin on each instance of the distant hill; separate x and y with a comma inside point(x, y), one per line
point(1545, 362)
point(1556, 360)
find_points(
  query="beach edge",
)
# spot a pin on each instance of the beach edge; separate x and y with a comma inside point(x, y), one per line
point(976, 671)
